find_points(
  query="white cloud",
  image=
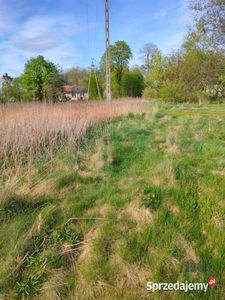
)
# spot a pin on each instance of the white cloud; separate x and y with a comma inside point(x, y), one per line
point(11, 11)
point(65, 55)
point(160, 14)
point(40, 43)
point(39, 34)
point(36, 25)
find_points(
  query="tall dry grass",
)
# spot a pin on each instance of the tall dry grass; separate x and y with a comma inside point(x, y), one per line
point(33, 129)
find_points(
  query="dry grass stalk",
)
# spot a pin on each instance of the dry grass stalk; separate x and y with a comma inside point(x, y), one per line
point(19, 264)
point(87, 219)
point(29, 130)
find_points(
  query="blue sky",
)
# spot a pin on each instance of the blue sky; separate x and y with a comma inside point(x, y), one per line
point(70, 33)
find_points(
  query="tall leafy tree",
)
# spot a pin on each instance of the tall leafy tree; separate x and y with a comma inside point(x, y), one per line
point(156, 77)
point(36, 76)
point(132, 83)
point(209, 16)
point(54, 89)
point(146, 52)
point(195, 71)
point(18, 91)
point(76, 76)
point(6, 87)
point(191, 74)
point(120, 54)
point(93, 92)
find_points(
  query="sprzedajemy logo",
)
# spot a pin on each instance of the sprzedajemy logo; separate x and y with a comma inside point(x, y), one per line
point(187, 286)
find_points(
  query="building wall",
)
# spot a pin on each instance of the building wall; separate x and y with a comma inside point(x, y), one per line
point(76, 96)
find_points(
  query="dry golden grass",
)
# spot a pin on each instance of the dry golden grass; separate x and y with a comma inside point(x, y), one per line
point(164, 172)
point(216, 172)
point(140, 215)
point(29, 130)
point(49, 289)
point(173, 149)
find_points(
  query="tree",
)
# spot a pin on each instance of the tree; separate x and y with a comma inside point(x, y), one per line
point(132, 83)
point(191, 74)
point(18, 90)
point(156, 77)
point(36, 76)
point(6, 87)
point(76, 76)
point(120, 54)
point(93, 91)
point(209, 16)
point(146, 51)
point(54, 89)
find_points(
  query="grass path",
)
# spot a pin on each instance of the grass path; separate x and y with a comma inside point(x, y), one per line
point(139, 198)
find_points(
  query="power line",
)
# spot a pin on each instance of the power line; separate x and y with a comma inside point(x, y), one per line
point(101, 47)
point(88, 27)
point(96, 26)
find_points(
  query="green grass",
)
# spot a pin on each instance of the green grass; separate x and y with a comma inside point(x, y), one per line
point(133, 202)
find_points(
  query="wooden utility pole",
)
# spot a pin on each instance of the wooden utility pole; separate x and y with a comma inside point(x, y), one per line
point(107, 53)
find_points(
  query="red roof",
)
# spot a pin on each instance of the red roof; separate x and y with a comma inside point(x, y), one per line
point(70, 88)
point(67, 88)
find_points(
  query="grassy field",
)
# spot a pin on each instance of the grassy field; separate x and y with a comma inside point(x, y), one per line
point(131, 199)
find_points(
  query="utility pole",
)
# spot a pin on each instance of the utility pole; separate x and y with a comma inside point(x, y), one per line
point(107, 53)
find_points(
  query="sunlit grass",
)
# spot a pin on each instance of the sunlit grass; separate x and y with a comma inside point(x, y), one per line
point(132, 202)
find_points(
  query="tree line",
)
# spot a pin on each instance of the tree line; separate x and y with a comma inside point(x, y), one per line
point(193, 73)
point(196, 71)
point(42, 80)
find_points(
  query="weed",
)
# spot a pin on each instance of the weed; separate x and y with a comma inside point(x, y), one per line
point(152, 197)
point(159, 115)
point(65, 234)
point(26, 288)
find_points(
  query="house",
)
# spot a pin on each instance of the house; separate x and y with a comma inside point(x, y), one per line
point(75, 92)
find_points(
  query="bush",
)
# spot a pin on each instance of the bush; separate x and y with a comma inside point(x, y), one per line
point(150, 92)
point(177, 92)
point(171, 92)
